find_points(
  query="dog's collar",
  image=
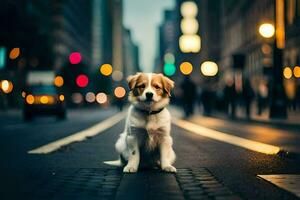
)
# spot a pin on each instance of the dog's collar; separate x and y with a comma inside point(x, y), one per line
point(148, 112)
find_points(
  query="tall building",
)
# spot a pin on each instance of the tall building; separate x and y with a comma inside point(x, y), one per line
point(117, 34)
point(131, 54)
point(72, 30)
point(101, 33)
point(168, 35)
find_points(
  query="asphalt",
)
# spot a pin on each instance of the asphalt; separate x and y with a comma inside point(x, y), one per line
point(207, 169)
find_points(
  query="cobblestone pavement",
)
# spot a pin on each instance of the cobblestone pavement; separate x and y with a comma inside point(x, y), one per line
point(104, 183)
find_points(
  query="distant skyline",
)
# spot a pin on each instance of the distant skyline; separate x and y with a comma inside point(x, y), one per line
point(143, 17)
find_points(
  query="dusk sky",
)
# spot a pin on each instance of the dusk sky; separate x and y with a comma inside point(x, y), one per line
point(143, 17)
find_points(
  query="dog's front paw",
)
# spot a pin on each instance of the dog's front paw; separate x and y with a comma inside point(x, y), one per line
point(129, 169)
point(169, 168)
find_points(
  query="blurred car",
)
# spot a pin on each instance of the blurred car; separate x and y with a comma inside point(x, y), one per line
point(43, 100)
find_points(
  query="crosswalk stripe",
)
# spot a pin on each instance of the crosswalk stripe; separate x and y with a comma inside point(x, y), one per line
point(228, 138)
point(79, 136)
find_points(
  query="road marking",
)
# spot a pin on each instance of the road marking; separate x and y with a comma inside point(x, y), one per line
point(79, 136)
point(224, 137)
point(289, 182)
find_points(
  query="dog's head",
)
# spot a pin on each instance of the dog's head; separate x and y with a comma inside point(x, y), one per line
point(150, 89)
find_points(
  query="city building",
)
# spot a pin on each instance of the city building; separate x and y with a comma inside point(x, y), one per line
point(131, 54)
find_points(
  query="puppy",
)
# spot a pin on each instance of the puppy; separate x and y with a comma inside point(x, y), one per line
point(146, 138)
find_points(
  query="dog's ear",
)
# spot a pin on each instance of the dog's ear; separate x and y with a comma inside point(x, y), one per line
point(132, 80)
point(168, 84)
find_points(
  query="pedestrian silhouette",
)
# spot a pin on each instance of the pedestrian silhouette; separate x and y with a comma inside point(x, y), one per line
point(230, 97)
point(248, 95)
point(189, 95)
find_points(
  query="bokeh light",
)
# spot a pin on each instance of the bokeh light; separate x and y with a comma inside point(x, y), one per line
point(14, 53)
point(190, 43)
point(44, 99)
point(75, 58)
point(120, 92)
point(209, 68)
point(117, 75)
point(169, 69)
point(30, 99)
point(266, 49)
point(189, 9)
point(101, 98)
point(58, 81)
point(266, 30)
point(23, 94)
point(297, 71)
point(61, 97)
point(6, 86)
point(189, 26)
point(90, 97)
point(287, 72)
point(169, 58)
point(186, 68)
point(77, 98)
point(82, 80)
point(106, 69)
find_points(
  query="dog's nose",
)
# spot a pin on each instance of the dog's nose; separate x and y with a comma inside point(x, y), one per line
point(149, 95)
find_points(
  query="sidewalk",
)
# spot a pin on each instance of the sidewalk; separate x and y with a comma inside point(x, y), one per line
point(292, 120)
point(281, 133)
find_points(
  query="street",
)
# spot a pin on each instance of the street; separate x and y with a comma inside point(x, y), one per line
point(207, 168)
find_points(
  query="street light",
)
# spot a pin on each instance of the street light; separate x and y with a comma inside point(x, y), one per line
point(277, 96)
point(266, 30)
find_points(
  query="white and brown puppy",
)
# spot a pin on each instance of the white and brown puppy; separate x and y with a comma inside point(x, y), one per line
point(146, 138)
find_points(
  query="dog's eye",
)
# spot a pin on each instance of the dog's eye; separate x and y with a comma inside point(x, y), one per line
point(141, 86)
point(157, 87)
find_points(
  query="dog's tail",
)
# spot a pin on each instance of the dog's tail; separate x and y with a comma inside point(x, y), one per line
point(117, 163)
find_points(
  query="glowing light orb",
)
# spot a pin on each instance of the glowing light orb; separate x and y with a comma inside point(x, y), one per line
point(44, 99)
point(77, 98)
point(266, 30)
point(6, 86)
point(30, 99)
point(58, 81)
point(61, 97)
point(75, 58)
point(190, 43)
point(169, 58)
point(90, 97)
point(189, 9)
point(209, 68)
point(82, 80)
point(14, 53)
point(120, 92)
point(297, 71)
point(287, 73)
point(101, 98)
point(186, 68)
point(189, 26)
point(169, 69)
point(106, 69)
point(117, 75)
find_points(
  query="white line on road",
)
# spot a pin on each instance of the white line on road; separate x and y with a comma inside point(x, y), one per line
point(79, 136)
point(224, 137)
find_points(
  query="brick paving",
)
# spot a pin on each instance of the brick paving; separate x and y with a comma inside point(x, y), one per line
point(103, 183)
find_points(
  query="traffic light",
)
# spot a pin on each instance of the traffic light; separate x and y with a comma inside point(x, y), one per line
point(169, 66)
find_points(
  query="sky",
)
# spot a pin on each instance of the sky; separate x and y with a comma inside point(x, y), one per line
point(143, 17)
